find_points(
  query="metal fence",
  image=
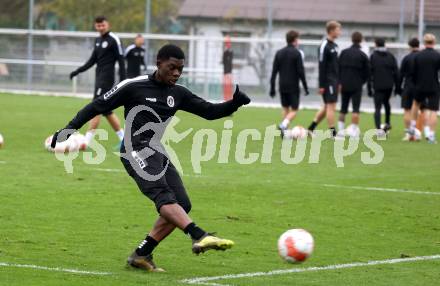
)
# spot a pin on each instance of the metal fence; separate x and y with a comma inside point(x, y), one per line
point(55, 54)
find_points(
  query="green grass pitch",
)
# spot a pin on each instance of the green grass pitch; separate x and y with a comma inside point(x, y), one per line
point(92, 220)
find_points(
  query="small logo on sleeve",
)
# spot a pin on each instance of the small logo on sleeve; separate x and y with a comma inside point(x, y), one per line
point(110, 92)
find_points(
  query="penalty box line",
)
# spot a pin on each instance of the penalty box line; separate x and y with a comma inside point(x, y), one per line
point(210, 280)
point(54, 269)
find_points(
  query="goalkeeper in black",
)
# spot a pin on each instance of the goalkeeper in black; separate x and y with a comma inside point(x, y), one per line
point(149, 102)
point(107, 51)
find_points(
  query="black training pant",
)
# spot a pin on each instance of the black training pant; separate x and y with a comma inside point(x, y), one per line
point(382, 97)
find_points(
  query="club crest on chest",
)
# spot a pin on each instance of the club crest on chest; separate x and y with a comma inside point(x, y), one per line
point(170, 101)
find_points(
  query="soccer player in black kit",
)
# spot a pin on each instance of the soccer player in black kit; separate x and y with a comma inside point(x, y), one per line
point(155, 99)
point(426, 81)
point(135, 56)
point(107, 51)
point(353, 74)
point(384, 77)
point(408, 91)
point(288, 62)
point(328, 77)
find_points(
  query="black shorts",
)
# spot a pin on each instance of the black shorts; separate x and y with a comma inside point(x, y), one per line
point(290, 99)
point(164, 189)
point(330, 93)
point(101, 89)
point(408, 95)
point(430, 100)
point(355, 97)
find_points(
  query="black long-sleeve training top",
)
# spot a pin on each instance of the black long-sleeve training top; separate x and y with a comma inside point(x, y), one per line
point(384, 71)
point(406, 70)
point(163, 101)
point(135, 57)
point(353, 68)
point(289, 64)
point(328, 64)
point(107, 51)
point(426, 69)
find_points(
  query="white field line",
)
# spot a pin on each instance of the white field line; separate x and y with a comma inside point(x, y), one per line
point(54, 269)
point(207, 280)
point(109, 170)
point(383, 189)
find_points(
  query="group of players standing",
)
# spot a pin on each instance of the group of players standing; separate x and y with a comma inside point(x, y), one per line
point(107, 51)
point(347, 72)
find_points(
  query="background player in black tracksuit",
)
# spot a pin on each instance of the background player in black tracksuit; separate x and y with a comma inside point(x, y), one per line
point(149, 103)
point(408, 90)
point(328, 77)
point(135, 56)
point(227, 61)
point(107, 51)
point(384, 76)
point(288, 62)
point(426, 81)
point(353, 74)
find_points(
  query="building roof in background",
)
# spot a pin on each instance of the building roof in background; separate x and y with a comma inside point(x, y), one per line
point(353, 11)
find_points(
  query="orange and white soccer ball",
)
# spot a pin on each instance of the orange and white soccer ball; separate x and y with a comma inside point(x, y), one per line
point(2, 141)
point(295, 245)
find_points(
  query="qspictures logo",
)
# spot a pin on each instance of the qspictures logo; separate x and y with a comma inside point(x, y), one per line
point(224, 146)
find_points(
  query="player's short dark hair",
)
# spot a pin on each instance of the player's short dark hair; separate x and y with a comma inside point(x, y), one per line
point(291, 36)
point(170, 51)
point(414, 43)
point(380, 42)
point(100, 19)
point(356, 37)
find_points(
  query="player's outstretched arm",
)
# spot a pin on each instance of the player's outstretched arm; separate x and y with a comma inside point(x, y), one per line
point(211, 111)
point(81, 118)
point(86, 66)
point(116, 97)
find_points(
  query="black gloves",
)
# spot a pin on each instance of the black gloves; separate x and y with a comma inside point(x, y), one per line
point(240, 98)
point(61, 136)
point(73, 74)
point(306, 92)
point(272, 92)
